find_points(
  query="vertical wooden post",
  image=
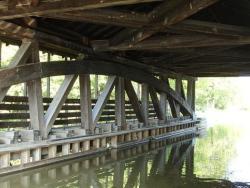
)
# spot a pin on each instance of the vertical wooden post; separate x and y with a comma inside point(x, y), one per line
point(37, 154)
point(163, 106)
point(75, 147)
point(191, 93)
point(96, 91)
point(120, 104)
point(25, 156)
point(48, 80)
point(114, 141)
point(52, 151)
point(5, 160)
point(36, 106)
point(86, 145)
point(65, 149)
point(145, 103)
point(178, 83)
point(85, 102)
point(0, 54)
point(35, 97)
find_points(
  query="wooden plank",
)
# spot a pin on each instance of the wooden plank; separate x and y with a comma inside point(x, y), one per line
point(191, 93)
point(85, 102)
point(178, 83)
point(134, 100)
point(145, 103)
point(48, 7)
point(58, 101)
point(105, 17)
point(120, 103)
point(176, 42)
point(36, 110)
point(102, 100)
point(34, 91)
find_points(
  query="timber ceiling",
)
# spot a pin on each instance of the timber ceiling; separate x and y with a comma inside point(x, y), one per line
point(193, 37)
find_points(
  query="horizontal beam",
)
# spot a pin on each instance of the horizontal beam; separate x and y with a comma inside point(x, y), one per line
point(178, 41)
point(25, 73)
point(18, 32)
point(104, 17)
point(166, 14)
point(48, 7)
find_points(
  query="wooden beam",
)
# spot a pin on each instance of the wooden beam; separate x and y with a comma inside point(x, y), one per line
point(85, 102)
point(191, 93)
point(58, 101)
point(210, 28)
point(157, 105)
point(166, 14)
point(30, 72)
point(178, 82)
point(134, 100)
point(20, 33)
point(120, 104)
point(103, 98)
point(104, 17)
point(172, 104)
point(145, 103)
point(20, 58)
point(51, 7)
point(35, 98)
point(177, 41)
point(36, 110)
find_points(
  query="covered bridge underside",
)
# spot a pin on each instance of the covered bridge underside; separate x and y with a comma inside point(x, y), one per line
point(159, 46)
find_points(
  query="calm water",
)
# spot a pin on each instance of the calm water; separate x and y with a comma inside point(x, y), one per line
point(220, 159)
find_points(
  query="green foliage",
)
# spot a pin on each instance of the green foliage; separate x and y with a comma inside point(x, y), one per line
point(214, 92)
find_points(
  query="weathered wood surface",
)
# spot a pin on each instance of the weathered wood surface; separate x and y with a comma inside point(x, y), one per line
point(22, 74)
point(46, 7)
point(103, 98)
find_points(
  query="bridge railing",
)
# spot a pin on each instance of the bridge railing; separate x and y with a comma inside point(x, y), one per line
point(14, 112)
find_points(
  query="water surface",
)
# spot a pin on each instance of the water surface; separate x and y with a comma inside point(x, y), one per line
point(220, 159)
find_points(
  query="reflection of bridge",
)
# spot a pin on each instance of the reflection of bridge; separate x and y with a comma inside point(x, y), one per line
point(151, 165)
point(147, 52)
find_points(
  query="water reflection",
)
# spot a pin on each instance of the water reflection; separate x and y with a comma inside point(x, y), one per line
point(166, 163)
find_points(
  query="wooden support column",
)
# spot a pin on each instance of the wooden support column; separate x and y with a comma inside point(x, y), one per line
point(191, 93)
point(102, 100)
point(5, 160)
point(178, 83)
point(145, 103)
point(120, 104)
point(37, 154)
point(25, 156)
point(85, 102)
point(65, 149)
point(96, 87)
point(58, 101)
point(35, 98)
point(0, 54)
point(163, 106)
point(48, 80)
point(36, 106)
